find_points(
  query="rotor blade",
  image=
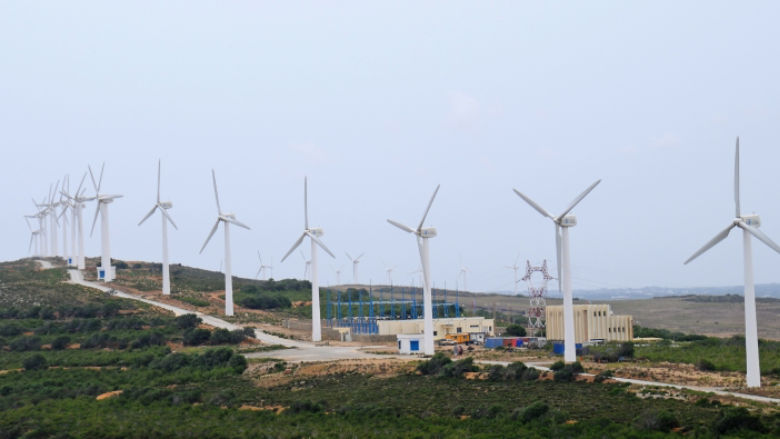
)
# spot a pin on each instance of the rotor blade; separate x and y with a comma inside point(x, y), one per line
point(148, 214)
point(100, 180)
point(401, 226)
point(158, 179)
point(558, 252)
point(348, 256)
point(718, 238)
point(216, 195)
point(28, 223)
point(361, 255)
point(51, 194)
point(321, 244)
point(736, 179)
point(94, 221)
point(533, 204)
point(259, 257)
point(213, 230)
point(32, 237)
point(92, 177)
point(166, 215)
point(294, 246)
point(305, 203)
point(577, 200)
point(238, 223)
point(760, 236)
point(80, 184)
point(425, 215)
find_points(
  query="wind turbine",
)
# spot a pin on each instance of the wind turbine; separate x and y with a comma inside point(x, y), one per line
point(64, 203)
point(562, 224)
point(306, 265)
point(77, 206)
point(423, 234)
point(355, 263)
point(313, 233)
point(226, 219)
point(53, 223)
point(338, 274)
point(462, 273)
point(389, 272)
point(262, 271)
point(749, 225)
point(103, 200)
point(163, 206)
point(34, 236)
point(515, 268)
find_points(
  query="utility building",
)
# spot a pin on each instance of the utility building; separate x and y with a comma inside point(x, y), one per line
point(476, 327)
point(591, 322)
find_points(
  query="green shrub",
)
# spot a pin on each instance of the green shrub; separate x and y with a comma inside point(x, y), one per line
point(196, 337)
point(737, 418)
point(603, 375)
point(458, 368)
point(434, 365)
point(60, 343)
point(558, 365)
point(626, 350)
point(705, 365)
point(496, 372)
point(187, 321)
point(655, 420)
point(533, 411)
point(22, 344)
point(515, 330)
point(568, 372)
point(305, 406)
point(35, 362)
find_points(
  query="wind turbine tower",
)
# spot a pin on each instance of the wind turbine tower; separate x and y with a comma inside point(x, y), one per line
point(355, 263)
point(163, 206)
point(314, 234)
point(563, 222)
point(515, 269)
point(423, 234)
point(749, 225)
point(226, 219)
point(106, 272)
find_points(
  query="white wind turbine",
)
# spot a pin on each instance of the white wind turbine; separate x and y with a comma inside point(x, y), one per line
point(562, 224)
point(103, 200)
point(423, 234)
point(53, 223)
point(226, 219)
point(263, 270)
point(77, 206)
point(355, 263)
point(65, 204)
point(313, 233)
point(749, 225)
point(462, 272)
point(515, 269)
point(338, 274)
point(306, 265)
point(35, 235)
point(389, 271)
point(163, 206)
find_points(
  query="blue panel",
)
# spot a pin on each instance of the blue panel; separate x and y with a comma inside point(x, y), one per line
point(414, 345)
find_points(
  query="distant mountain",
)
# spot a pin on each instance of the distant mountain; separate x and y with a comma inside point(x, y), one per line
point(762, 290)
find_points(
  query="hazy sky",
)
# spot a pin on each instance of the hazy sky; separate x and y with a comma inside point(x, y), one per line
point(378, 103)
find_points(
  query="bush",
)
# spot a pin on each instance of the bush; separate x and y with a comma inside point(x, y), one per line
point(737, 418)
point(458, 368)
point(305, 406)
point(434, 365)
point(653, 420)
point(533, 411)
point(249, 332)
point(496, 372)
point(603, 375)
point(705, 365)
point(60, 343)
point(35, 362)
point(558, 365)
point(266, 302)
point(568, 372)
point(22, 344)
point(10, 330)
point(196, 337)
point(187, 321)
point(515, 330)
point(626, 350)
point(239, 364)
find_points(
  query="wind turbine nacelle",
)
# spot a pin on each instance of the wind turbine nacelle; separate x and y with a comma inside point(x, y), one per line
point(166, 204)
point(752, 220)
point(430, 232)
point(316, 231)
point(569, 221)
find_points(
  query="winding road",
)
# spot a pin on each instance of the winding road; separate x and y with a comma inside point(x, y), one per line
point(301, 351)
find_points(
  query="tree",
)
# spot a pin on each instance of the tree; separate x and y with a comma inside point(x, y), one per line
point(515, 330)
point(35, 362)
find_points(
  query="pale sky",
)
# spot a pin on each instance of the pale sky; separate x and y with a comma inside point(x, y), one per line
point(377, 102)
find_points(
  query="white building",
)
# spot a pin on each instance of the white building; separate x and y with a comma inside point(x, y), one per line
point(591, 322)
point(476, 327)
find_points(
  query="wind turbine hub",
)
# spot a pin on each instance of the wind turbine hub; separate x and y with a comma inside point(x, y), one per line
point(429, 232)
point(166, 204)
point(752, 220)
point(316, 231)
point(568, 221)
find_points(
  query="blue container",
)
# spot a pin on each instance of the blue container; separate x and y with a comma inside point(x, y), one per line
point(558, 348)
point(518, 342)
point(493, 342)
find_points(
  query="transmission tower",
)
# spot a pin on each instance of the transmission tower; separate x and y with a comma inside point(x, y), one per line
point(536, 312)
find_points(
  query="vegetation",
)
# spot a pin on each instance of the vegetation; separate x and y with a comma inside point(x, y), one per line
point(515, 330)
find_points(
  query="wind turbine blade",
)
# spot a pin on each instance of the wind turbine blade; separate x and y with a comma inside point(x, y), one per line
point(32, 237)
point(259, 257)
point(736, 179)
point(348, 256)
point(258, 272)
point(28, 223)
point(577, 200)
point(238, 223)
point(158, 180)
point(321, 244)
point(760, 236)
point(100, 180)
point(718, 238)
point(148, 215)
point(305, 203)
point(216, 195)
point(80, 184)
point(401, 226)
point(558, 253)
point(94, 221)
point(165, 214)
point(294, 246)
point(361, 255)
point(533, 204)
point(92, 177)
point(213, 230)
point(430, 203)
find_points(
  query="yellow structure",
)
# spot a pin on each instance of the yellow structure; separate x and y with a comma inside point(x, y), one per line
point(476, 327)
point(591, 322)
